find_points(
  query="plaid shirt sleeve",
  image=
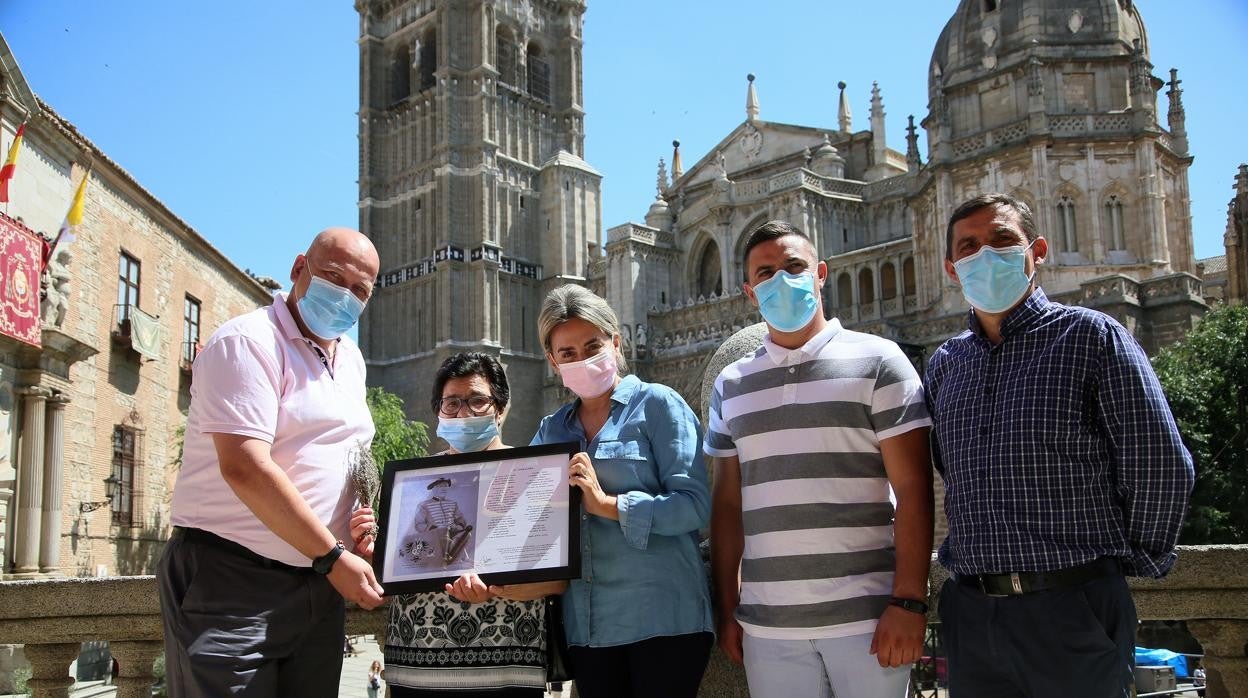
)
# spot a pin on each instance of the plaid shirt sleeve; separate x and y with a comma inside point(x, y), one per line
point(1153, 469)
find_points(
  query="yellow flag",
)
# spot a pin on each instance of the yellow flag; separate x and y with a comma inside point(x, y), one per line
point(75, 209)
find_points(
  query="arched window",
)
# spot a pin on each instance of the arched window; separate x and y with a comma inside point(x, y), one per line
point(907, 277)
point(1113, 223)
point(866, 286)
point(505, 58)
point(709, 279)
point(428, 59)
point(888, 281)
point(1068, 240)
point(844, 290)
point(401, 74)
point(539, 74)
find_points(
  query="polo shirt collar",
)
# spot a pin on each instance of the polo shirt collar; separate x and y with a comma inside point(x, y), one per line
point(812, 346)
point(285, 320)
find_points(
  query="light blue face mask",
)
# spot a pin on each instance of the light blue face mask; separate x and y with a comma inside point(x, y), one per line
point(787, 301)
point(329, 310)
point(468, 434)
point(994, 278)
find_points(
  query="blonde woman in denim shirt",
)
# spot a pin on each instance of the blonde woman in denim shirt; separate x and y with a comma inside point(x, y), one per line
point(638, 621)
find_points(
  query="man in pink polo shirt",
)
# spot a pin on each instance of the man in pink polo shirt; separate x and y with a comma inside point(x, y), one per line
point(253, 578)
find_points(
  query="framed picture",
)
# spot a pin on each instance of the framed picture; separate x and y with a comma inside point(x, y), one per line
point(509, 515)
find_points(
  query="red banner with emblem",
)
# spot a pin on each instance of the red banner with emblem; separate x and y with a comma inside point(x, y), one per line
point(21, 257)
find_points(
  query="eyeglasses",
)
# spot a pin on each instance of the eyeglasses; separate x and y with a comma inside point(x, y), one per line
point(477, 405)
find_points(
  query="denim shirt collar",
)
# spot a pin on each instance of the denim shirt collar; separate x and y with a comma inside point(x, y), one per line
point(623, 394)
point(1019, 319)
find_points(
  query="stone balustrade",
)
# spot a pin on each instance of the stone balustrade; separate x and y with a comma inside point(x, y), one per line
point(1208, 588)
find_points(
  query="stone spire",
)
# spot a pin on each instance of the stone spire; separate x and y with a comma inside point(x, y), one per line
point(879, 151)
point(660, 213)
point(661, 184)
point(1176, 115)
point(913, 161)
point(843, 116)
point(677, 168)
point(751, 100)
point(1143, 98)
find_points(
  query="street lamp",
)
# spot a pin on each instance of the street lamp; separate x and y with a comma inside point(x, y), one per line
point(111, 484)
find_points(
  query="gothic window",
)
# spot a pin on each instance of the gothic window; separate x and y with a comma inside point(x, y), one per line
point(401, 74)
point(505, 58)
point(709, 278)
point(539, 74)
point(1113, 223)
point(127, 286)
point(1068, 240)
point(888, 281)
point(428, 59)
point(907, 277)
point(127, 454)
point(866, 286)
point(844, 290)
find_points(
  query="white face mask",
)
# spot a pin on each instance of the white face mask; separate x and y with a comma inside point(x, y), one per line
point(593, 376)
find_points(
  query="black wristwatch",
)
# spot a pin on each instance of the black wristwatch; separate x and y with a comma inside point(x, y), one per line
point(325, 563)
point(909, 604)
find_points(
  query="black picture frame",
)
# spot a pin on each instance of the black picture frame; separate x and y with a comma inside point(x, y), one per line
point(401, 548)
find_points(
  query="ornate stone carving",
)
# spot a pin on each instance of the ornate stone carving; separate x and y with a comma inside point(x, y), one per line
point(751, 142)
point(55, 303)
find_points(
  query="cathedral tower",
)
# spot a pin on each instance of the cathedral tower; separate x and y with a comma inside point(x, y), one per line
point(1055, 102)
point(472, 186)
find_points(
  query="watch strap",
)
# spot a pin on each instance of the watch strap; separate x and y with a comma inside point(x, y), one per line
point(912, 605)
point(325, 563)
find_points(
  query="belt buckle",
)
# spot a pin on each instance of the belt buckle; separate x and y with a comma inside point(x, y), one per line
point(1016, 583)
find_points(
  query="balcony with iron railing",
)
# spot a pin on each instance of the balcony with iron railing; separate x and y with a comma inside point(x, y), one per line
point(1208, 588)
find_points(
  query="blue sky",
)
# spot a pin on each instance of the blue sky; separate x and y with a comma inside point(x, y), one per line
point(241, 116)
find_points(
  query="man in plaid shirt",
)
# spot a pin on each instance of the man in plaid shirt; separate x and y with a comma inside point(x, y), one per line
point(1063, 472)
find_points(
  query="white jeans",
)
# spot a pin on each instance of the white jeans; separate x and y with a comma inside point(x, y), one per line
point(840, 667)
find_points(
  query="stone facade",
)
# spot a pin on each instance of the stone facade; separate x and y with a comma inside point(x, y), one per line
point(63, 405)
point(1235, 265)
point(472, 186)
point(1052, 101)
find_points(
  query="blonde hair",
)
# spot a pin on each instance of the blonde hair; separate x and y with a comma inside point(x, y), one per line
point(569, 302)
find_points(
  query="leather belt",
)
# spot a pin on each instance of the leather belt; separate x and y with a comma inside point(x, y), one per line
point(1018, 583)
point(212, 540)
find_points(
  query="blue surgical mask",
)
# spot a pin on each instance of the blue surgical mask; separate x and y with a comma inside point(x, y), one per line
point(788, 301)
point(468, 434)
point(329, 310)
point(994, 278)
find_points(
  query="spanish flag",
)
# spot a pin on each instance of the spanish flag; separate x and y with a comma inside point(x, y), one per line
point(10, 163)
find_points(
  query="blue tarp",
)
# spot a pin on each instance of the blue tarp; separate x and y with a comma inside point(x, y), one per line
point(1147, 657)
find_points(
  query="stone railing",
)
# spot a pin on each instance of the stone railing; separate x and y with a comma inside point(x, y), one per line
point(52, 617)
point(755, 189)
point(699, 325)
point(1208, 588)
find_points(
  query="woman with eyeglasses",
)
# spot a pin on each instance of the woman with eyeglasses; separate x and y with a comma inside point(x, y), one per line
point(638, 621)
point(430, 634)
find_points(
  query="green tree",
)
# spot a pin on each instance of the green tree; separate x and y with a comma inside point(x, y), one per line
point(1205, 378)
point(397, 436)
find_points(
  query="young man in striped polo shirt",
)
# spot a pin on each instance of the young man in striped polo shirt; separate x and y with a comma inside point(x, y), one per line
point(813, 570)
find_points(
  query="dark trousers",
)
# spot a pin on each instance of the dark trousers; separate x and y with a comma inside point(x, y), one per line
point(236, 627)
point(1076, 642)
point(668, 666)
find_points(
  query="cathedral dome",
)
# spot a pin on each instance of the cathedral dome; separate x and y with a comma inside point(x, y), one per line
point(984, 36)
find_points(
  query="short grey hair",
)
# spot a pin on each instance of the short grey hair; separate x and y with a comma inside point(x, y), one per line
point(570, 302)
